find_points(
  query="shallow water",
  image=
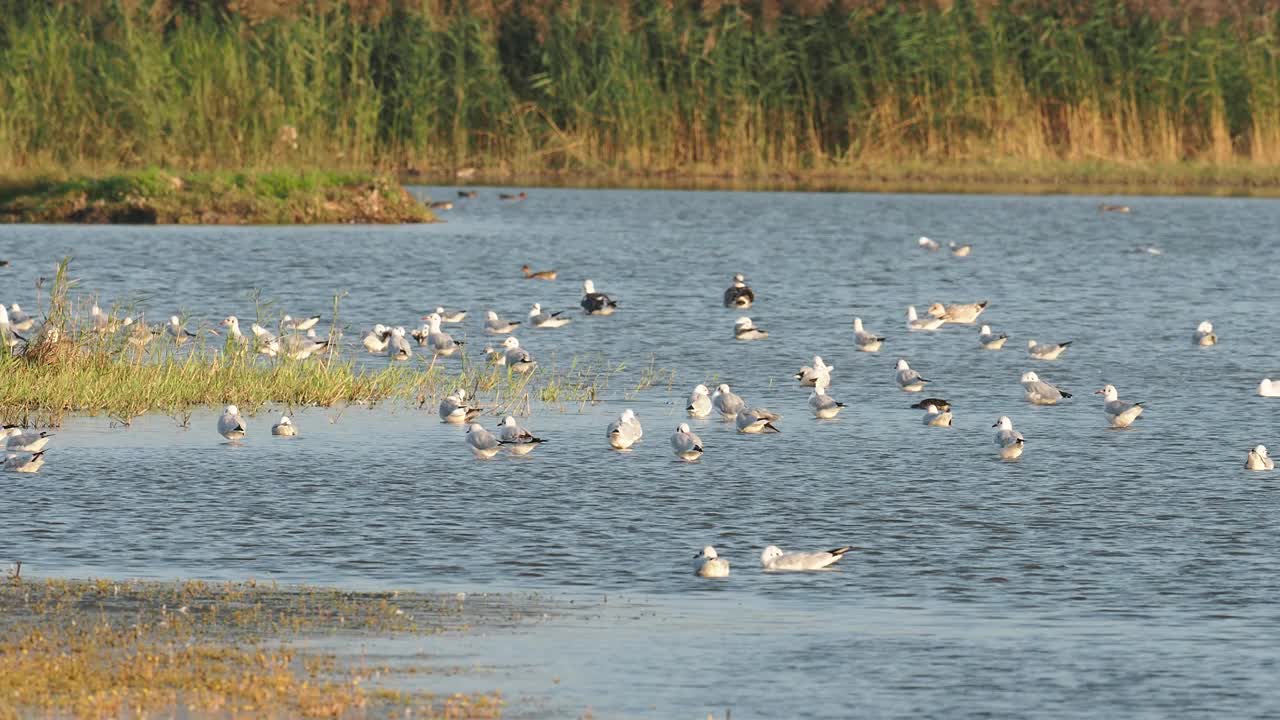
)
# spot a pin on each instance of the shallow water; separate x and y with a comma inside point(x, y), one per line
point(1113, 573)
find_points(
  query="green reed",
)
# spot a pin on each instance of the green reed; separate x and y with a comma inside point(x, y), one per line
point(639, 85)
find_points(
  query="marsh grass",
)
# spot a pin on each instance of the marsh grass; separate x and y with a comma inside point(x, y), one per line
point(68, 367)
point(104, 648)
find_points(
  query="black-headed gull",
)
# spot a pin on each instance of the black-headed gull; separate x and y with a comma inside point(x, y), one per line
point(960, 314)
point(726, 402)
point(483, 444)
point(865, 341)
point(756, 420)
point(455, 409)
point(625, 431)
point(231, 426)
point(699, 402)
point(1259, 459)
point(908, 379)
point(519, 441)
point(917, 323)
point(686, 445)
point(991, 341)
point(1040, 392)
point(745, 329)
point(774, 559)
point(517, 358)
point(709, 564)
point(1121, 414)
point(497, 326)
point(284, 427)
point(824, 406)
point(1047, 351)
point(540, 318)
point(1009, 441)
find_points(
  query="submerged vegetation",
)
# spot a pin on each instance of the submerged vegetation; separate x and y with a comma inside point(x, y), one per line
point(124, 368)
point(777, 88)
point(260, 198)
point(103, 648)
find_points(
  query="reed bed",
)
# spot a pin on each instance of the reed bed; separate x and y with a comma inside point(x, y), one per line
point(648, 86)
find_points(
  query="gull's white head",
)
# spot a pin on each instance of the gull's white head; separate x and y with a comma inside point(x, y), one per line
point(902, 365)
point(228, 321)
point(490, 315)
point(1031, 343)
point(857, 324)
point(286, 319)
point(284, 420)
point(1205, 327)
point(1260, 451)
point(1004, 423)
point(926, 242)
point(433, 319)
point(1265, 385)
point(739, 278)
point(474, 428)
point(937, 309)
point(1030, 377)
point(588, 287)
point(231, 410)
point(95, 310)
point(722, 388)
point(440, 311)
point(708, 553)
point(511, 342)
point(398, 331)
point(702, 389)
point(1108, 393)
point(628, 415)
point(507, 421)
point(15, 308)
point(911, 313)
point(682, 428)
point(742, 323)
point(931, 409)
point(771, 553)
point(460, 394)
point(173, 320)
point(986, 330)
point(379, 329)
point(535, 310)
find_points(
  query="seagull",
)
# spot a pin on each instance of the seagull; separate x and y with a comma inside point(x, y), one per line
point(231, 426)
point(699, 402)
point(20, 320)
point(933, 417)
point(141, 334)
point(726, 403)
point(915, 322)
point(495, 326)
point(232, 324)
point(773, 558)
point(516, 357)
point(1046, 352)
point(483, 444)
point(451, 317)
point(752, 421)
point(744, 329)
point(708, 564)
point(687, 446)
point(7, 332)
point(101, 321)
point(288, 323)
point(441, 342)
point(927, 244)
point(397, 347)
point(1120, 413)
point(301, 347)
point(517, 439)
point(908, 379)
point(1009, 441)
point(268, 343)
point(24, 463)
point(824, 407)
point(739, 295)
point(1040, 392)
point(377, 339)
point(625, 431)
point(1259, 460)
point(962, 314)
point(959, 250)
point(539, 319)
point(175, 330)
point(284, 428)
point(30, 441)
point(495, 356)
point(1269, 388)
point(810, 376)
point(454, 409)
point(866, 342)
point(1204, 336)
point(942, 405)
point(989, 340)
point(537, 275)
point(595, 303)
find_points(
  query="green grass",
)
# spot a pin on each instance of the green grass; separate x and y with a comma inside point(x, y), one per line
point(157, 196)
point(569, 87)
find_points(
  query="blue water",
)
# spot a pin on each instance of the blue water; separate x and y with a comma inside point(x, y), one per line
point(1105, 573)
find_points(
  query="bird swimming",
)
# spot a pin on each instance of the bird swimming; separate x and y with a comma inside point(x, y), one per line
point(745, 329)
point(739, 295)
point(1009, 441)
point(596, 303)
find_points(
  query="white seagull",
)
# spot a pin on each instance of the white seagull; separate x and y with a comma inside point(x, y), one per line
point(20, 320)
point(685, 444)
point(745, 329)
point(1010, 441)
point(1040, 392)
point(1204, 335)
point(454, 409)
point(917, 323)
point(30, 441)
point(811, 376)
point(927, 244)
point(23, 462)
point(451, 317)
point(989, 340)
point(908, 379)
point(482, 442)
point(774, 559)
point(397, 347)
point(517, 358)
point(962, 314)
point(625, 431)
point(517, 439)
point(1049, 351)
point(176, 331)
point(289, 323)
point(865, 341)
point(824, 407)
point(496, 326)
point(753, 421)
point(699, 402)
point(541, 319)
point(1120, 413)
point(442, 343)
point(709, 564)
point(1258, 459)
point(936, 417)
point(1269, 388)
point(231, 426)
point(377, 339)
point(726, 403)
point(284, 428)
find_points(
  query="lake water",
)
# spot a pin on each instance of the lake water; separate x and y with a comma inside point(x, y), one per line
point(1106, 573)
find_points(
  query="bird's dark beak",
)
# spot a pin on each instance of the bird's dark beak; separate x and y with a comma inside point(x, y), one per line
point(995, 424)
point(1098, 392)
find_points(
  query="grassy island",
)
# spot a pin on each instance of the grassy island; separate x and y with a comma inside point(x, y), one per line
point(224, 198)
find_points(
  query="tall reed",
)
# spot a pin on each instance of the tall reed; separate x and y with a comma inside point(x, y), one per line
point(738, 87)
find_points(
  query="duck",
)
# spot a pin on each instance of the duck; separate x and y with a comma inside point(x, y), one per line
point(530, 274)
point(941, 404)
point(959, 250)
point(513, 198)
point(468, 194)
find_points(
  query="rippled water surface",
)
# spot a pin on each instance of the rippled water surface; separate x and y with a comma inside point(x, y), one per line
point(1106, 573)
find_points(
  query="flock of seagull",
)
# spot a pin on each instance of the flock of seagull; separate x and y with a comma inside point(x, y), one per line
point(298, 340)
